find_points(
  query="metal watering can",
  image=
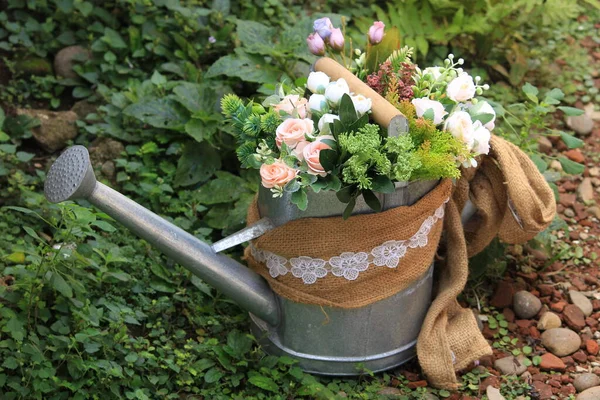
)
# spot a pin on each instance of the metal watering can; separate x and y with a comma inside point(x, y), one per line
point(325, 340)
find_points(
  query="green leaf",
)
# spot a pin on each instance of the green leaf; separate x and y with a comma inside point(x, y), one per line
point(371, 200)
point(345, 194)
point(571, 167)
point(239, 343)
point(81, 92)
point(10, 363)
point(113, 39)
point(158, 79)
point(531, 92)
point(429, 114)
point(196, 97)
point(349, 208)
point(347, 112)
point(383, 184)
point(264, 382)
point(227, 188)
point(59, 284)
point(2, 118)
point(245, 68)
point(256, 37)
point(571, 141)
point(292, 186)
point(85, 8)
point(197, 164)
point(571, 111)
point(15, 328)
point(212, 375)
point(539, 162)
point(483, 118)
point(300, 199)
point(555, 94)
point(160, 113)
point(328, 159)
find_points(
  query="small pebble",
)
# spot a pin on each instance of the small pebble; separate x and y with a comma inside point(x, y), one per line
point(592, 393)
point(549, 320)
point(569, 213)
point(582, 302)
point(586, 381)
point(561, 341)
point(525, 304)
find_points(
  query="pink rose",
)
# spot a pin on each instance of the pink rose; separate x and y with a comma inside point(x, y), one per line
point(311, 154)
point(294, 105)
point(292, 131)
point(298, 151)
point(376, 32)
point(276, 174)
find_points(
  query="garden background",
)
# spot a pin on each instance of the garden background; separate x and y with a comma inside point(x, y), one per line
point(87, 310)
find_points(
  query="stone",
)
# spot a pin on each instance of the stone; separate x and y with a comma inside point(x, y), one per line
point(510, 365)
point(503, 296)
point(56, 127)
point(574, 317)
point(575, 155)
point(105, 149)
point(108, 169)
point(493, 393)
point(594, 171)
point(592, 393)
point(390, 391)
point(556, 165)
point(561, 341)
point(544, 145)
point(549, 320)
point(525, 304)
point(84, 108)
point(567, 199)
point(66, 58)
point(592, 347)
point(549, 362)
point(582, 302)
point(580, 357)
point(585, 191)
point(569, 213)
point(33, 66)
point(594, 211)
point(544, 391)
point(581, 124)
point(586, 381)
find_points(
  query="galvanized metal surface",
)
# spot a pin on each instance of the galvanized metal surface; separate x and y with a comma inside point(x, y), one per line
point(335, 341)
point(248, 289)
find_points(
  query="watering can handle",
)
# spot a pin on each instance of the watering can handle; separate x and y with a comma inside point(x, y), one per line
point(383, 111)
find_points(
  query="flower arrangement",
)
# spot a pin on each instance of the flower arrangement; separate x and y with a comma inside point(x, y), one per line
point(319, 135)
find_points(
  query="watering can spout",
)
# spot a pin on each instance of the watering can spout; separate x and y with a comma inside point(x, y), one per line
point(72, 177)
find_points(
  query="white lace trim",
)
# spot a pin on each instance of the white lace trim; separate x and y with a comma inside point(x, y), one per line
point(347, 265)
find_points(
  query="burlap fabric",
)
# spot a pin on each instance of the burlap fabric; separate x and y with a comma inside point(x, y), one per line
point(328, 237)
point(515, 203)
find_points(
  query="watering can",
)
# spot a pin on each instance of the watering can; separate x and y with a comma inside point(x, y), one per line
point(324, 340)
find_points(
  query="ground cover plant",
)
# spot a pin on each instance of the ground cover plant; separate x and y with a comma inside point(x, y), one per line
point(89, 311)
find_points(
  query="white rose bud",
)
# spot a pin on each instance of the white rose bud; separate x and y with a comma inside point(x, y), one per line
point(461, 88)
point(362, 104)
point(335, 91)
point(482, 137)
point(318, 103)
point(435, 72)
point(483, 107)
point(324, 122)
point(317, 82)
point(424, 104)
point(460, 125)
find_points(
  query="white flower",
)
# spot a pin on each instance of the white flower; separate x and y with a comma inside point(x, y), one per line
point(482, 137)
point(318, 103)
point(459, 124)
point(324, 122)
point(435, 72)
point(461, 88)
point(389, 254)
point(424, 104)
point(307, 268)
point(317, 82)
point(362, 104)
point(276, 265)
point(483, 107)
point(349, 264)
point(335, 91)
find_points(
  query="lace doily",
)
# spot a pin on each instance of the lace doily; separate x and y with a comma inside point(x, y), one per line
point(347, 265)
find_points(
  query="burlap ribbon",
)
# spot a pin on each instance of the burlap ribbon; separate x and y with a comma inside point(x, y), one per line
point(515, 203)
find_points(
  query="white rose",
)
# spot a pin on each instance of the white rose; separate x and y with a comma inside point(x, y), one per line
point(482, 137)
point(424, 104)
point(324, 122)
point(362, 104)
point(317, 82)
point(318, 103)
point(335, 91)
point(461, 88)
point(459, 124)
point(483, 107)
point(435, 72)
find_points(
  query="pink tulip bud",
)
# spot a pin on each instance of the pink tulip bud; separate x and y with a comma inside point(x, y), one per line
point(336, 40)
point(316, 45)
point(323, 27)
point(376, 32)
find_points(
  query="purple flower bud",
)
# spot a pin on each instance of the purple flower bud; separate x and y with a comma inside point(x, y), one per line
point(323, 27)
point(212, 39)
point(376, 32)
point(316, 45)
point(336, 40)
